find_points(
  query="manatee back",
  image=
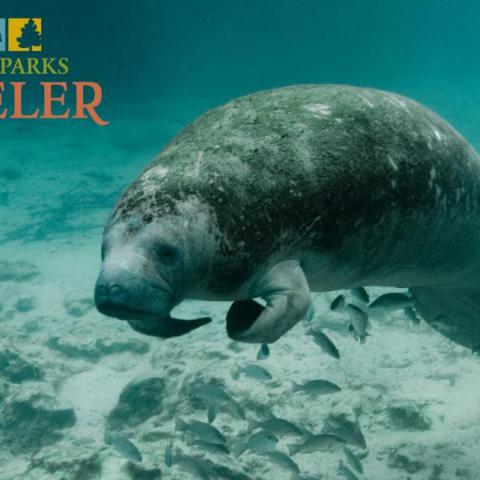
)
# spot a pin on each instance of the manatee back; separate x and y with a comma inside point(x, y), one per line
point(308, 146)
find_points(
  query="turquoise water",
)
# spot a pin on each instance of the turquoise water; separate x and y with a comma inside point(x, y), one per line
point(68, 374)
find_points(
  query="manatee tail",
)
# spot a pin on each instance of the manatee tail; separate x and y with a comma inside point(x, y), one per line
point(455, 313)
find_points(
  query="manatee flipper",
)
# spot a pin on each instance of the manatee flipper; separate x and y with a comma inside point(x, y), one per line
point(453, 312)
point(286, 291)
point(169, 327)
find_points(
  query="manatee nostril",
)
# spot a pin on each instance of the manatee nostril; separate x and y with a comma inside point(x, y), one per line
point(105, 293)
point(115, 290)
point(101, 291)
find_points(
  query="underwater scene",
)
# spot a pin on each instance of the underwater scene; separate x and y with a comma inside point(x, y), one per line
point(256, 257)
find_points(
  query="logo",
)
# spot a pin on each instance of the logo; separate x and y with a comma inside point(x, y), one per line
point(20, 40)
point(24, 34)
point(21, 35)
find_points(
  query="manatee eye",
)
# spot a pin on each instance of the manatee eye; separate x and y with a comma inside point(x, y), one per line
point(167, 255)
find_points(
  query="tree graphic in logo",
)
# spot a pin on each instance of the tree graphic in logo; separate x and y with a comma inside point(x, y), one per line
point(30, 36)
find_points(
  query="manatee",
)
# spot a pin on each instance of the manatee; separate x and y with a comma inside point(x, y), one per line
point(299, 189)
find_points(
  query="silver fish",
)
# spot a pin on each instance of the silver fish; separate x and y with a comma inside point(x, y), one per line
point(209, 392)
point(201, 430)
point(353, 460)
point(277, 426)
point(262, 441)
point(212, 395)
point(194, 466)
point(215, 396)
point(360, 294)
point(310, 313)
point(451, 377)
point(324, 343)
point(169, 455)
point(263, 352)
point(349, 431)
point(253, 371)
point(235, 408)
point(216, 448)
point(317, 443)
point(347, 473)
point(212, 412)
point(411, 314)
point(338, 304)
point(284, 461)
point(317, 387)
point(391, 301)
point(123, 446)
point(359, 322)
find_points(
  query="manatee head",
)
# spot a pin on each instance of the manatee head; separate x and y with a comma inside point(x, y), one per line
point(149, 262)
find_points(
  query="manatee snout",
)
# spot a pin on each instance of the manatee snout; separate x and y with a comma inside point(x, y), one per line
point(123, 295)
point(143, 304)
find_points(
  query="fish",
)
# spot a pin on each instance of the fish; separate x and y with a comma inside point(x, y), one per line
point(123, 446)
point(262, 441)
point(214, 396)
point(353, 460)
point(168, 456)
point(277, 426)
point(317, 443)
point(212, 412)
point(194, 466)
point(211, 447)
point(235, 408)
point(338, 304)
point(411, 314)
point(209, 392)
point(360, 294)
point(263, 352)
point(201, 430)
point(283, 461)
point(359, 322)
point(253, 371)
point(451, 377)
point(310, 313)
point(347, 473)
point(154, 436)
point(317, 387)
point(324, 343)
point(391, 301)
point(347, 430)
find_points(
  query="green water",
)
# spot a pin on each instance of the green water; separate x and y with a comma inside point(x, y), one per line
point(69, 374)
